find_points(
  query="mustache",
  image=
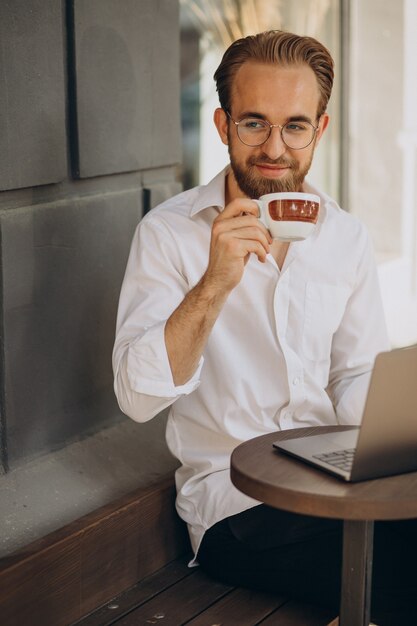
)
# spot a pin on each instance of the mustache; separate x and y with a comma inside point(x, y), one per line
point(281, 162)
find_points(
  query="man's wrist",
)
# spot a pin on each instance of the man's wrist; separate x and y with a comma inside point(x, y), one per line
point(212, 291)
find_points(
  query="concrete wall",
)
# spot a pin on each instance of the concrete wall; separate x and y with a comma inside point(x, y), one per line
point(89, 140)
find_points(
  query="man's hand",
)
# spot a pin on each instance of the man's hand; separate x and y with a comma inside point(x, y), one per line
point(236, 233)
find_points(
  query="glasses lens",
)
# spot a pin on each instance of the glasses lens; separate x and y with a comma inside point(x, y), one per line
point(252, 131)
point(298, 135)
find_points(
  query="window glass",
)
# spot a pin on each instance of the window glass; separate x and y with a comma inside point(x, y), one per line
point(382, 149)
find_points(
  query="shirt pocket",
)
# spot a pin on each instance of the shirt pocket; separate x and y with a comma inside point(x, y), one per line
point(325, 305)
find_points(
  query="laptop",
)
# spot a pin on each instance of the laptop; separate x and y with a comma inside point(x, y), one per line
point(386, 442)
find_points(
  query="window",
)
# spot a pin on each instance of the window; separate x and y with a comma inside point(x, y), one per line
point(382, 149)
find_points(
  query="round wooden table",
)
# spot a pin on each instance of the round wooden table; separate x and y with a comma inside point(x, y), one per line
point(272, 477)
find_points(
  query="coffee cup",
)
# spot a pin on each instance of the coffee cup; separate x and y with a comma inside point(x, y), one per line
point(289, 216)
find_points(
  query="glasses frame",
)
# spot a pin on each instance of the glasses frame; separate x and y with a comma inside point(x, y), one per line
point(271, 126)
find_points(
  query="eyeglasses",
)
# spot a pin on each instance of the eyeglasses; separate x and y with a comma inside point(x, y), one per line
point(253, 131)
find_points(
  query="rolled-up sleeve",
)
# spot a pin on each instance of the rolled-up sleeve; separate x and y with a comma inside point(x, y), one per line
point(153, 286)
point(148, 366)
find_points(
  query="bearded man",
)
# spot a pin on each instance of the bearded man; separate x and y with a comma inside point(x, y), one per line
point(242, 335)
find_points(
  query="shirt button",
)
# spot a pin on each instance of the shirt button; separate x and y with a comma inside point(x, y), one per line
point(296, 381)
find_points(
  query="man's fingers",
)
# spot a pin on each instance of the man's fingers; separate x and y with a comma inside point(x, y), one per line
point(233, 247)
point(239, 223)
point(249, 246)
point(238, 207)
point(249, 233)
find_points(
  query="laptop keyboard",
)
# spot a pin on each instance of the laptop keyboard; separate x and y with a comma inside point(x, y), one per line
point(342, 459)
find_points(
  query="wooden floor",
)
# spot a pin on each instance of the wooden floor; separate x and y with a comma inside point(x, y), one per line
point(177, 595)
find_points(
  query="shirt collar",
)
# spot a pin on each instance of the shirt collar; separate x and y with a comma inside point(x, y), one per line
point(212, 194)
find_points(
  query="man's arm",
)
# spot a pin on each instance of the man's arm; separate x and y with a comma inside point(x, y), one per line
point(236, 233)
point(162, 325)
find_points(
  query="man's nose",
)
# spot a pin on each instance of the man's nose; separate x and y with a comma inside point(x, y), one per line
point(274, 147)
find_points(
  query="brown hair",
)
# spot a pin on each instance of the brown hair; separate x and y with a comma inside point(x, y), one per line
point(276, 46)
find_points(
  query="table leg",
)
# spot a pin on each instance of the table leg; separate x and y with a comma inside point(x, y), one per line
point(355, 604)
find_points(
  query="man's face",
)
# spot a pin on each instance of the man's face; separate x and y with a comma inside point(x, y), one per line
point(277, 95)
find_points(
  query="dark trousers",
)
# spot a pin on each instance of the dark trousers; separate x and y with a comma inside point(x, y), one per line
point(301, 556)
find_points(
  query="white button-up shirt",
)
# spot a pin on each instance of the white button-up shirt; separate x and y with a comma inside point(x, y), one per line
point(290, 348)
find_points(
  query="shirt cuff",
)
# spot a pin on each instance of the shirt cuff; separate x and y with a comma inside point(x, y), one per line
point(148, 367)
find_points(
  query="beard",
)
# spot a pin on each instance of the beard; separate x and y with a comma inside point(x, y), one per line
point(254, 185)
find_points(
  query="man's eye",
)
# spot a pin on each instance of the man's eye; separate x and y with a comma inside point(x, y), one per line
point(296, 127)
point(252, 124)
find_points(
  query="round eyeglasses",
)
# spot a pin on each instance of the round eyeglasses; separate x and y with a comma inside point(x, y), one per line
point(297, 134)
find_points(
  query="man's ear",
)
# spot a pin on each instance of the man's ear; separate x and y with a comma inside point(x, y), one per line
point(221, 122)
point(324, 122)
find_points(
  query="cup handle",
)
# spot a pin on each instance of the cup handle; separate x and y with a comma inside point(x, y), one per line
point(261, 216)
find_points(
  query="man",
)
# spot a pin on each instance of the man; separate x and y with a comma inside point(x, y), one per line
point(242, 335)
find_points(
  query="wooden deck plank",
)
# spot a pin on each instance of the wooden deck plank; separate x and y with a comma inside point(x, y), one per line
point(241, 607)
point(142, 592)
point(178, 604)
point(178, 595)
point(299, 614)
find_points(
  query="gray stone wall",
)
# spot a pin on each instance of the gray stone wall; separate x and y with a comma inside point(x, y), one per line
point(89, 140)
